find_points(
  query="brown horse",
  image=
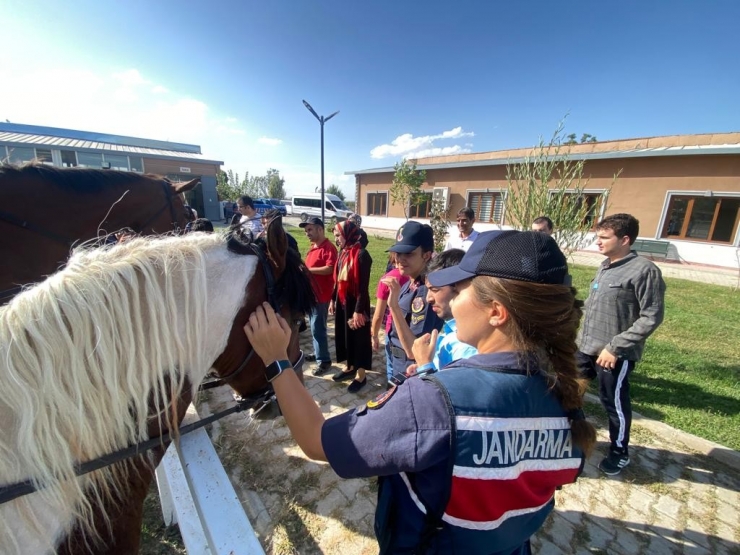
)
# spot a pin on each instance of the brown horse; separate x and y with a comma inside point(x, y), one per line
point(88, 356)
point(45, 211)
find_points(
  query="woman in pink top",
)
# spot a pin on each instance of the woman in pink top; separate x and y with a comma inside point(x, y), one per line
point(382, 314)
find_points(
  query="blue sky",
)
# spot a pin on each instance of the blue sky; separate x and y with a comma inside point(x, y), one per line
point(408, 77)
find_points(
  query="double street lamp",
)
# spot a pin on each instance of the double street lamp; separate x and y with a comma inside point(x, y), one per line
point(322, 120)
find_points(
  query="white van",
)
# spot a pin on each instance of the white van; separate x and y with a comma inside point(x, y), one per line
point(309, 204)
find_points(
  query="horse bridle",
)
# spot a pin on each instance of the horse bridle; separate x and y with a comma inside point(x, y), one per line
point(272, 299)
point(40, 230)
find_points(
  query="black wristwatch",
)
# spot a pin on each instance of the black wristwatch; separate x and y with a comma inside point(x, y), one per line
point(274, 369)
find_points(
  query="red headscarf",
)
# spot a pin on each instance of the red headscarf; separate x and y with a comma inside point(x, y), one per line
point(347, 271)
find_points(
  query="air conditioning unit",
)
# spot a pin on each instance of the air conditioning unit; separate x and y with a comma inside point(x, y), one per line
point(443, 194)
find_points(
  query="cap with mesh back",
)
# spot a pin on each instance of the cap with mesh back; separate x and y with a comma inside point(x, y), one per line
point(519, 255)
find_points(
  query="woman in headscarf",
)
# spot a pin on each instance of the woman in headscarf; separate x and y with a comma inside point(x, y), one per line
point(351, 306)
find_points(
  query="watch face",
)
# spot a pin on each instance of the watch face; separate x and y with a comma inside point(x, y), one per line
point(274, 369)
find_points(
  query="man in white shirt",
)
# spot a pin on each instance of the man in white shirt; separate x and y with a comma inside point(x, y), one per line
point(250, 217)
point(466, 235)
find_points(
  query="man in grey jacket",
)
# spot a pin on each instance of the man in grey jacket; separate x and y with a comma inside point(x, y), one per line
point(624, 306)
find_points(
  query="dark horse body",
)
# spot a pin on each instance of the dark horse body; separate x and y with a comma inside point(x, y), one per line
point(44, 211)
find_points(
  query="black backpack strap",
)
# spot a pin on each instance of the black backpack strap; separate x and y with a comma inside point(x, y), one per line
point(433, 523)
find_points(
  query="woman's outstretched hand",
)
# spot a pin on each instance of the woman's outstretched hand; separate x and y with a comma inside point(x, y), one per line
point(268, 333)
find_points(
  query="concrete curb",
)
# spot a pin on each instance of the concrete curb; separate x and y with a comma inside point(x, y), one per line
point(713, 450)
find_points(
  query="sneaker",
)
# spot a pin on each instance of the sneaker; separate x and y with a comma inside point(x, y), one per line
point(322, 368)
point(613, 463)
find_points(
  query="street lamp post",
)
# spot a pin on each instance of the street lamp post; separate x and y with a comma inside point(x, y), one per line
point(322, 120)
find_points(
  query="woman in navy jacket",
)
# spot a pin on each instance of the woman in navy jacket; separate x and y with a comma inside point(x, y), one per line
point(469, 458)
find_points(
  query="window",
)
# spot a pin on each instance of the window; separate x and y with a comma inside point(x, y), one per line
point(90, 159)
point(20, 154)
point(488, 207)
point(377, 204)
point(703, 218)
point(43, 155)
point(137, 164)
point(422, 206)
point(69, 158)
point(593, 203)
point(117, 161)
point(307, 202)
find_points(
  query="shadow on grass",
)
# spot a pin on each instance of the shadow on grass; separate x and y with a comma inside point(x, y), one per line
point(682, 395)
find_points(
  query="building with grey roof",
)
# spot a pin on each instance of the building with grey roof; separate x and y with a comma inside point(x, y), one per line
point(73, 148)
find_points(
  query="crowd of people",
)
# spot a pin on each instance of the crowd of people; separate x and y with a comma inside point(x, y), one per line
point(488, 354)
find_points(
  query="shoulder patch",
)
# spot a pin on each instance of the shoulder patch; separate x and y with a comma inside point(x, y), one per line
point(381, 399)
point(417, 305)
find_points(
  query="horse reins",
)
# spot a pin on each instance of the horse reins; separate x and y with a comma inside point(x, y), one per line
point(7, 217)
point(19, 489)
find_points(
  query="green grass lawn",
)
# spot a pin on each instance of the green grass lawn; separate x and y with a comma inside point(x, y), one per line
point(689, 377)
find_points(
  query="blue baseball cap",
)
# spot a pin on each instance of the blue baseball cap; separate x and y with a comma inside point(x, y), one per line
point(413, 235)
point(518, 255)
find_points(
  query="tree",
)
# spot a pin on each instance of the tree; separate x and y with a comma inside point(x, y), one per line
point(256, 186)
point(406, 186)
point(549, 183)
point(275, 184)
point(335, 190)
point(439, 220)
point(585, 138)
point(227, 185)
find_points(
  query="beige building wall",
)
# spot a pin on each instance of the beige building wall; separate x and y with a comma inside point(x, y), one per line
point(641, 188)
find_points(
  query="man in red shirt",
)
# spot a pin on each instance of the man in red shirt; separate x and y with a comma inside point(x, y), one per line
point(320, 261)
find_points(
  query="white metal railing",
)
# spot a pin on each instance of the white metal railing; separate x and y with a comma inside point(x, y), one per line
point(196, 494)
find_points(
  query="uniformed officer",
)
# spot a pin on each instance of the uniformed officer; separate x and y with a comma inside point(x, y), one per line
point(412, 314)
point(469, 458)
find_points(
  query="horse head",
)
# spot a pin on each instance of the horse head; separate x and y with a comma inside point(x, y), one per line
point(282, 280)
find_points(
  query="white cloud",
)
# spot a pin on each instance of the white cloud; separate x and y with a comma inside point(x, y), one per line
point(405, 145)
point(159, 89)
point(128, 103)
point(130, 78)
point(269, 141)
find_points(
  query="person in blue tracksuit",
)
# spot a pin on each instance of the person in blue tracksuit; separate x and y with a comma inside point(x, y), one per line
point(468, 458)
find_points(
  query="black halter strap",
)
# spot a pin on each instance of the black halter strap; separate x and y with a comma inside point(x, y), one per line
point(167, 186)
point(13, 491)
point(30, 226)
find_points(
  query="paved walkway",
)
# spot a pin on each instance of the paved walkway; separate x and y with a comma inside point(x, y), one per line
point(693, 272)
point(674, 498)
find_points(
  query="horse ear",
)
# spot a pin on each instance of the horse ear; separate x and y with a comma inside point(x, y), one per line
point(277, 244)
point(187, 186)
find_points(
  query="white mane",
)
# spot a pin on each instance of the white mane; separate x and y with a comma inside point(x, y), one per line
point(83, 354)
